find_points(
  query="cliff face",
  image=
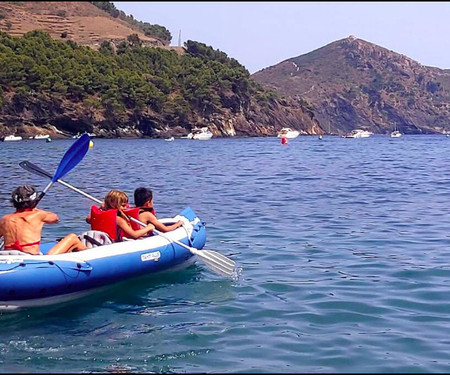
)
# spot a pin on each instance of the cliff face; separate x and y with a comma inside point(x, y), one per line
point(62, 118)
point(352, 84)
point(267, 120)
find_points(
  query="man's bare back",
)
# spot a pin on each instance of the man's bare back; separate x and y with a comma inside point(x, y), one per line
point(25, 227)
point(22, 229)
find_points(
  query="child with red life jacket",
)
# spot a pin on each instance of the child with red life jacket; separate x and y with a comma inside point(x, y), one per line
point(143, 200)
point(113, 218)
point(22, 229)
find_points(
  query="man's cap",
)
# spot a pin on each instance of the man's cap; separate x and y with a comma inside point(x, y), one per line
point(25, 193)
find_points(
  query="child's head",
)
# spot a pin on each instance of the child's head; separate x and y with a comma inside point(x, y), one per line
point(24, 197)
point(142, 195)
point(116, 199)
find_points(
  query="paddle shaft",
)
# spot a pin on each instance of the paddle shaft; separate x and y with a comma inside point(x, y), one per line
point(41, 195)
point(35, 169)
point(79, 191)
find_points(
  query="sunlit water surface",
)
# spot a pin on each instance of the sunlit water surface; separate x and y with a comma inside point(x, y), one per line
point(344, 246)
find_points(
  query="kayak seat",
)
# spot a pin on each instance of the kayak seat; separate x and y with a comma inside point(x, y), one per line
point(94, 238)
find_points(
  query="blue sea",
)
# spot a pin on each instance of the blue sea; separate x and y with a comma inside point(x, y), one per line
point(344, 246)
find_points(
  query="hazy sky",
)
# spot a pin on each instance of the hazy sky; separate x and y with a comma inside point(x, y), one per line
point(262, 34)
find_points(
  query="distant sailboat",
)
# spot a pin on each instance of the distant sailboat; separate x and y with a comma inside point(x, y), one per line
point(396, 133)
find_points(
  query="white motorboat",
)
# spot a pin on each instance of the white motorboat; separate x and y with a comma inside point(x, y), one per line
point(288, 133)
point(171, 139)
point(78, 135)
point(358, 133)
point(396, 134)
point(202, 134)
point(9, 138)
point(42, 136)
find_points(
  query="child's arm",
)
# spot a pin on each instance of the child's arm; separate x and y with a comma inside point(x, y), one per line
point(130, 232)
point(148, 217)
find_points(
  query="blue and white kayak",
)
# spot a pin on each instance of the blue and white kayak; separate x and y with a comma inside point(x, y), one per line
point(41, 280)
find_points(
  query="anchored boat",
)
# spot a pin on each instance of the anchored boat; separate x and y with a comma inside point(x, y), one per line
point(358, 133)
point(42, 136)
point(202, 134)
point(288, 133)
point(10, 138)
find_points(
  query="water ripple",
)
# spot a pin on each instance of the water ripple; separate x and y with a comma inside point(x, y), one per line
point(343, 245)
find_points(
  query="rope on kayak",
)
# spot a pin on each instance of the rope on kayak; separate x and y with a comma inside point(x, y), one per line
point(78, 266)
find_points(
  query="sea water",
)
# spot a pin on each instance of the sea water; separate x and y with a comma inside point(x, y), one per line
point(343, 243)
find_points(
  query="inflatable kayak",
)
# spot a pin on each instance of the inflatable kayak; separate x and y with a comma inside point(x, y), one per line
point(40, 280)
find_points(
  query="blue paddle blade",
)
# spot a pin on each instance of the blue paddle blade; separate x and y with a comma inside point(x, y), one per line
point(72, 156)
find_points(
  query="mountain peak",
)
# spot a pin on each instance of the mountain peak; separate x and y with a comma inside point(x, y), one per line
point(353, 83)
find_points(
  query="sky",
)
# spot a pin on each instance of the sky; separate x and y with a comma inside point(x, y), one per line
point(263, 34)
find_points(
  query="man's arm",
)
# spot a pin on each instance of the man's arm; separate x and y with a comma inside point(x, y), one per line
point(49, 217)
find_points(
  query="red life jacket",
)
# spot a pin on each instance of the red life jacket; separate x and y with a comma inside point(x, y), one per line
point(134, 213)
point(105, 221)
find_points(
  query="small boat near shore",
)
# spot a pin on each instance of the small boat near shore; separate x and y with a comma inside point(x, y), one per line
point(11, 138)
point(41, 280)
point(202, 134)
point(358, 133)
point(78, 135)
point(396, 134)
point(42, 136)
point(288, 133)
point(171, 139)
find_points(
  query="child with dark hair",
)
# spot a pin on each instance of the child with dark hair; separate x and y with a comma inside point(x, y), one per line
point(21, 230)
point(143, 198)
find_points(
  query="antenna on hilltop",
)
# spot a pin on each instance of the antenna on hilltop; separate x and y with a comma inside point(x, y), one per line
point(179, 39)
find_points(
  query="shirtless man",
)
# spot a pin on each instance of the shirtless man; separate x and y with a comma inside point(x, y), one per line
point(22, 229)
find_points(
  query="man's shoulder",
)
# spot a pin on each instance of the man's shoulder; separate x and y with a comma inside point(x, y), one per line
point(5, 217)
point(38, 214)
